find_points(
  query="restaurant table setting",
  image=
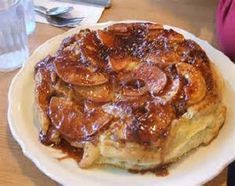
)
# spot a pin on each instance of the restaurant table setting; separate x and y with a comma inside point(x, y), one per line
point(26, 23)
point(89, 13)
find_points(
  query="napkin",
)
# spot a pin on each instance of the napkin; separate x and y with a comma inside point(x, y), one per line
point(91, 13)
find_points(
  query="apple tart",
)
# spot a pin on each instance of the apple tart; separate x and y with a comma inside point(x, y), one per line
point(132, 95)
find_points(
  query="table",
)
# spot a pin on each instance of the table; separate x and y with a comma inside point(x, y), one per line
point(197, 17)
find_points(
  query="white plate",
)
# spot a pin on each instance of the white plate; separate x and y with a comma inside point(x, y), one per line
point(197, 168)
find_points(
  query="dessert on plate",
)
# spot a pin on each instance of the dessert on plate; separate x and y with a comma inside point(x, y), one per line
point(132, 95)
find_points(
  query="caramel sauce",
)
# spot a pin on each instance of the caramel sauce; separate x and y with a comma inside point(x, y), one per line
point(159, 171)
point(70, 151)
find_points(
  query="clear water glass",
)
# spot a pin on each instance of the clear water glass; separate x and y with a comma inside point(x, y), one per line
point(13, 37)
point(29, 15)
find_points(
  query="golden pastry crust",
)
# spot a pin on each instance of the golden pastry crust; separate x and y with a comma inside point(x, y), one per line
point(132, 95)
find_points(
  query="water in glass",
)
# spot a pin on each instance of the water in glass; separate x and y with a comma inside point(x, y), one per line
point(13, 38)
point(29, 15)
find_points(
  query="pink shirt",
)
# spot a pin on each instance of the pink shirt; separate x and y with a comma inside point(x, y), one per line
point(225, 27)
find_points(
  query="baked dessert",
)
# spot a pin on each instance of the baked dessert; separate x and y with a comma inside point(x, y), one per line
point(134, 95)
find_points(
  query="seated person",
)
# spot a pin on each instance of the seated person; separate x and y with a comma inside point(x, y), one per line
point(225, 27)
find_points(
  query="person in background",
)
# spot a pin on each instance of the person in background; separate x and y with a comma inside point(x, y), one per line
point(225, 30)
point(225, 27)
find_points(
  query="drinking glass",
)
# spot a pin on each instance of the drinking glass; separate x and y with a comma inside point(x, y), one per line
point(29, 15)
point(13, 37)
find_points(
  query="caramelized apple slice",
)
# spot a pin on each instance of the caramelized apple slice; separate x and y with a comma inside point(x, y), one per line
point(80, 64)
point(170, 93)
point(153, 31)
point(72, 39)
point(119, 109)
point(169, 57)
point(154, 26)
point(128, 28)
point(107, 39)
point(173, 36)
point(118, 63)
point(154, 78)
point(196, 88)
point(74, 73)
point(134, 88)
point(153, 58)
point(73, 124)
point(44, 87)
point(100, 93)
point(129, 92)
point(90, 51)
point(45, 78)
point(120, 28)
point(150, 124)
